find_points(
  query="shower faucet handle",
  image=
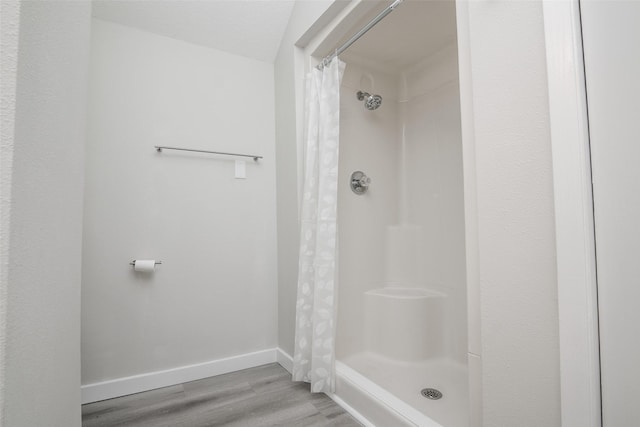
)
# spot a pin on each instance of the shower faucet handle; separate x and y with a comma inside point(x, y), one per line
point(359, 182)
point(364, 181)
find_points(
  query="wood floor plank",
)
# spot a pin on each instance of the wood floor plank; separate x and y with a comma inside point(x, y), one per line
point(263, 396)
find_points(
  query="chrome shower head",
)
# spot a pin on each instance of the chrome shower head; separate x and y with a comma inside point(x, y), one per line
point(371, 102)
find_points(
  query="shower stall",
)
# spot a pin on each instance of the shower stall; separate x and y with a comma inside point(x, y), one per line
point(402, 301)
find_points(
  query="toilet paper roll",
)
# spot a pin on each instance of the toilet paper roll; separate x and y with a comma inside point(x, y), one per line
point(144, 265)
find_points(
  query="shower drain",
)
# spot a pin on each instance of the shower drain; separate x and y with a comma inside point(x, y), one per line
point(431, 393)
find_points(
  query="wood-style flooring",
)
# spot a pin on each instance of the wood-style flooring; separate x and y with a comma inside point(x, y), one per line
point(257, 397)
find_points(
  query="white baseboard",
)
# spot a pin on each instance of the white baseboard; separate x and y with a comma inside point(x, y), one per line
point(284, 359)
point(152, 380)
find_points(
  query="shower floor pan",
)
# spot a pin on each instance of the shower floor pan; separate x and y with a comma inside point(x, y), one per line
point(397, 385)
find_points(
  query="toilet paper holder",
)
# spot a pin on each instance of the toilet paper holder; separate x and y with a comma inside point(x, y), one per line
point(134, 262)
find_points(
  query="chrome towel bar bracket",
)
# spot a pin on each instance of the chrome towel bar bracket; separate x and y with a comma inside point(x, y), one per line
point(134, 262)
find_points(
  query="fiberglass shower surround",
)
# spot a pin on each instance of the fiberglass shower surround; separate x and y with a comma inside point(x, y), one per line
point(401, 326)
point(402, 312)
point(401, 322)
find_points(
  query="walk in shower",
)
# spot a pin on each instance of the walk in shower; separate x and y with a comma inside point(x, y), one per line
point(402, 311)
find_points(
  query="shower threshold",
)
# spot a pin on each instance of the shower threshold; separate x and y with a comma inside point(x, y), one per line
point(400, 385)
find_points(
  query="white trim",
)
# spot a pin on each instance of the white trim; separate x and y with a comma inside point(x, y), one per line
point(471, 236)
point(377, 396)
point(575, 245)
point(374, 393)
point(355, 414)
point(152, 380)
point(284, 359)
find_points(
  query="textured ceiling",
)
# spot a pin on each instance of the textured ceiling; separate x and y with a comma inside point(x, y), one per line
point(251, 28)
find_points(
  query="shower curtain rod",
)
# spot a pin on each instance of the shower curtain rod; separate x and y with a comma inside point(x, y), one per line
point(325, 61)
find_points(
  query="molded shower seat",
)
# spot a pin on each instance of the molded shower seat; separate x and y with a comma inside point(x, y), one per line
point(404, 324)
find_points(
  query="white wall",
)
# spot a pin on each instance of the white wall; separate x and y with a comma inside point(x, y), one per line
point(610, 33)
point(9, 27)
point(288, 89)
point(507, 150)
point(44, 127)
point(215, 295)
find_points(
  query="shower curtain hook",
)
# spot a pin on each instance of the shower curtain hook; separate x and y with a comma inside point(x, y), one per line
point(335, 55)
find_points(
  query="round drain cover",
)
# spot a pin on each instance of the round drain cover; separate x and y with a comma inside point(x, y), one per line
point(431, 393)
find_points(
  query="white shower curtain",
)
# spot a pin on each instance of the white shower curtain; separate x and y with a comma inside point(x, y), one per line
point(314, 353)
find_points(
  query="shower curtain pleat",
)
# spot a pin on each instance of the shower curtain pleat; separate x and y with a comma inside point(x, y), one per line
point(314, 352)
